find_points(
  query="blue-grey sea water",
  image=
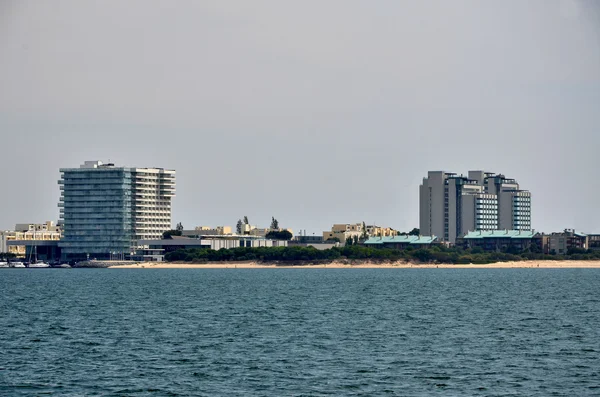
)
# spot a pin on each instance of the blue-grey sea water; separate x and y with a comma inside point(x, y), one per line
point(300, 332)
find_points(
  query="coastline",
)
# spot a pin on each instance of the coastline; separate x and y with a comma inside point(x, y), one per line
point(363, 265)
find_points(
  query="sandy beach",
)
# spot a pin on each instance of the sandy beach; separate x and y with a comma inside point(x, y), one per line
point(361, 265)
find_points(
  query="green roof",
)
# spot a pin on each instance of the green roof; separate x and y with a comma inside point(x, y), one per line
point(401, 239)
point(500, 234)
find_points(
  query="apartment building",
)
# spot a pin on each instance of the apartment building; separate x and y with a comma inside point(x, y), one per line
point(498, 240)
point(374, 230)
point(207, 231)
point(451, 205)
point(560, 243)
point(343, 231)
point(594, 241)
point(514, 204)
point(107, 209)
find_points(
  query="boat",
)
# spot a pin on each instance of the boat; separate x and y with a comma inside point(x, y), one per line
point(36, 264)
point(16, 264)
point(4, 265)
point(39, 265)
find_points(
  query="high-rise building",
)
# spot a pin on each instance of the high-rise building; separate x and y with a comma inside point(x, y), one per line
point(451, 205)
point(107, 209)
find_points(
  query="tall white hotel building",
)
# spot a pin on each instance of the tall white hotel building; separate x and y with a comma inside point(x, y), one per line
point(451, 205)
point(106, 209)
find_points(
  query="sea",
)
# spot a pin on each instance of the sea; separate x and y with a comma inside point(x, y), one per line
point(299, 332)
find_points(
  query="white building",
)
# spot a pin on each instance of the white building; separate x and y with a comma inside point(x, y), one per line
point(27, 232)
point(106, 209)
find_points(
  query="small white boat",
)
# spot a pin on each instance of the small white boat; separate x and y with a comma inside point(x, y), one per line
point(4, 264)
point(38, 265)
point(16, 264)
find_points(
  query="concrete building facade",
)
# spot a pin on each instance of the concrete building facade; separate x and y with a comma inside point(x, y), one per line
point(401, 242)
point(356, 231)
point(498, 240)
point(207, 231)
point(15, 241)
point(107, 209)
point(343, 231)
point(154, 250)
point(594, 241)
point(452, 205)
point(561, 243)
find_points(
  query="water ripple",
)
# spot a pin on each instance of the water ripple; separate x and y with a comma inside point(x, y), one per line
point(296, 332)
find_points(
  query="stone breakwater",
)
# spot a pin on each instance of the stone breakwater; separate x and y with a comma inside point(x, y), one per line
point(103, 264)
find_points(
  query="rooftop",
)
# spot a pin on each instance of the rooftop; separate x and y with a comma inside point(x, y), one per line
point(401, 239)
point(500, 234)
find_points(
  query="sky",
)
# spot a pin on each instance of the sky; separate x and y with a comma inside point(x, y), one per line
point(314, 112)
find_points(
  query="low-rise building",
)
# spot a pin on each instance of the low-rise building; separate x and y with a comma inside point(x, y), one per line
point(307, 239)
point(497, 240)
point(374, 230)
point(311, 241)
point(26, 234)
point(401, 242)
point(341, 237)
point(207, 231)
point(154, 250)
point(355, 231)
point(594, 241)
point(259, 232)
point(560, 243)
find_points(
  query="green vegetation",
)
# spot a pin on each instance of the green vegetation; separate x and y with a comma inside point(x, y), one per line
point(352, 240)
point(414, 232)
point(364, 234)
point(274, 223)
point(5, 256)
point(279, 235)
point(357, 252)
point(168, 235)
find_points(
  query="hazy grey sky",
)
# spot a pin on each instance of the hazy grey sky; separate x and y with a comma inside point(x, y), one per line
point(316, 112)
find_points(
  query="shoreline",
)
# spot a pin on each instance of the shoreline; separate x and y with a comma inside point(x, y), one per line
point(365, 265)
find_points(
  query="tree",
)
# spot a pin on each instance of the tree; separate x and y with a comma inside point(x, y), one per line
point(246, 220)
point(355, 240)
point(274, 223)
point(349, 241)
point(238, 227)
point(168, 235)
point(477, 250)
point(179, 227)
point(364, 235)
point(7, 255)
point(279, 235)
point(414, 232)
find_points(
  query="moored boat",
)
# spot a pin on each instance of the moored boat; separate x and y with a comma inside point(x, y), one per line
point(39, 265)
